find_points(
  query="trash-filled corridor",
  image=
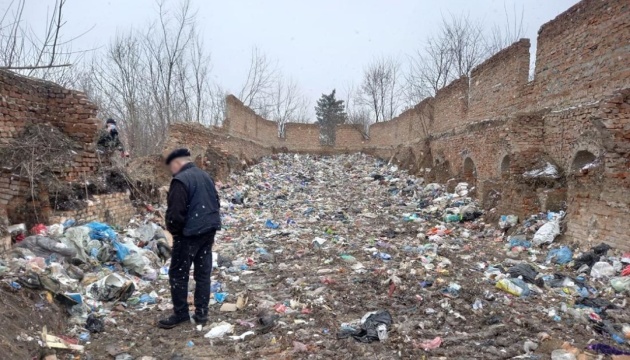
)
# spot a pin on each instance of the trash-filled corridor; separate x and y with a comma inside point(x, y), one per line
point(326, 258)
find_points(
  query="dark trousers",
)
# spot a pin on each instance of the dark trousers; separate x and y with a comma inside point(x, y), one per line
point(187, 251)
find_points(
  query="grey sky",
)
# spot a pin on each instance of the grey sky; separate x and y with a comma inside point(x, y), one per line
point(321, 44)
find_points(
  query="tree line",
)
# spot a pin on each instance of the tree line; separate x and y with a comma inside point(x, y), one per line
point(160, 73)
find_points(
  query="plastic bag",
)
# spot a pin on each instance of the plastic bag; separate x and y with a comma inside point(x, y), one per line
point(55, 230)
point(620, 284)
point(602, 269)
point(111, 287)
point(39, 229)
point(369, 330)
point(547, 233)
point(560, 256)
point(43, 246)
point(271, 225)
point(525, 270)
point(135, 262)
point(78, 238)
point(519, 240)
point(515, 287)
point(562, 354)
point(101, 231)
point(507, 221)
point(220, 330)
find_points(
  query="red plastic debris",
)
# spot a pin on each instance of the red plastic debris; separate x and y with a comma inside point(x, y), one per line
point(39, 229)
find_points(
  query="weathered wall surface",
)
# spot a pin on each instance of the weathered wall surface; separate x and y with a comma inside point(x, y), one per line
point(25, 101)
point(492, 127)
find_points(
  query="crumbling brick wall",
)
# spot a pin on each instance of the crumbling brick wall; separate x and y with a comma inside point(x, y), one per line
point(495, 126)
point(26, 101)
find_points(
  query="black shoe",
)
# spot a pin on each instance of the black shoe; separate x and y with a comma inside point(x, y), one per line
point(172, 321)
point(200, 319)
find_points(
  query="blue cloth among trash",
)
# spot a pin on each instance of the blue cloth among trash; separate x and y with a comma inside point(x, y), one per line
point(560, 255)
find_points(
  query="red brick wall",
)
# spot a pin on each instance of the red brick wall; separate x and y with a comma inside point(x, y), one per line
point(583, 54)
point(573, 104)
point(498, 81)
point(115, 209)
point(25, 101)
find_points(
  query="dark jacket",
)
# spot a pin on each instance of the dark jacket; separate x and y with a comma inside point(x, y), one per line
point(193, 203)
point(109, 141)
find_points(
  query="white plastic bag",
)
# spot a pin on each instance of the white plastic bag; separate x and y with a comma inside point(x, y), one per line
point(220, 330)
point(602, 269)
point(547, 233)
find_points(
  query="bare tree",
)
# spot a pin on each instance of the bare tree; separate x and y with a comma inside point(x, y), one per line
point(47, 55)
point(287, 104)
point(153, 78)
point(502, 36)
point(261, 78)
point(380, 89)
point(457, 48)
point(358, 113)
point(271, 95)
point(465, 41)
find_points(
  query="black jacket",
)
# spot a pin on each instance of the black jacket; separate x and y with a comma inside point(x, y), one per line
point(193, 203)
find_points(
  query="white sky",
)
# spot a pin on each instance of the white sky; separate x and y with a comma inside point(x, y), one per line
point(322, 44)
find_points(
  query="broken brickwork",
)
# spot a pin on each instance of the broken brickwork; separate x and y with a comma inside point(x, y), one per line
point(492, 127)
point(28, 102)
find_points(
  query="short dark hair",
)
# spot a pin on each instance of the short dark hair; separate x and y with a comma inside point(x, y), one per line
point(177, 153)
point(110, 121)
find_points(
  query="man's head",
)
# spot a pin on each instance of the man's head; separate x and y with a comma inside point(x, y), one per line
point(110, 124)
point(177, 159)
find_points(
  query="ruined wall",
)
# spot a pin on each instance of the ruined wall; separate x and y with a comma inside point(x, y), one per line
point(115, 209)
point(492, 128)
point(26, 101)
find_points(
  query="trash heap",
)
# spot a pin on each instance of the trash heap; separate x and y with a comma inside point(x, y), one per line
point(349, 256)
point(88, 269)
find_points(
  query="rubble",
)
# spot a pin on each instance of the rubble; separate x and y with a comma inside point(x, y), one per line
point(339, 257)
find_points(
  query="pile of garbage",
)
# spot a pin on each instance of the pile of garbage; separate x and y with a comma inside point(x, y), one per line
point(87, 268)
point(329, 256)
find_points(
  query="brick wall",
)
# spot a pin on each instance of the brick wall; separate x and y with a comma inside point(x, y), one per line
point(493, 127)
point(115, 209)
point(26, 101)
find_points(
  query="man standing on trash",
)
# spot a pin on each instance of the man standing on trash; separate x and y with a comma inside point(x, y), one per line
point(193, 219)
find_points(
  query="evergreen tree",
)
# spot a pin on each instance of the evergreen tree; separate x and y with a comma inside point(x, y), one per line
point(330, 113)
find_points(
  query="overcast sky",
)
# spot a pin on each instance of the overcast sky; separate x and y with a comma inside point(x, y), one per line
point(322, 44)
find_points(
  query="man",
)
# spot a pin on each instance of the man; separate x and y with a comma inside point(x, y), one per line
point(108, 140)
point(192, 218)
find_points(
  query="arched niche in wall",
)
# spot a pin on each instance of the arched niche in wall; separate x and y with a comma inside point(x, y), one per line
point(470, 170)
point(583, 160)
point(504, 167)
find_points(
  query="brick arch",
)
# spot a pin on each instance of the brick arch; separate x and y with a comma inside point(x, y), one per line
point(469, 170)
point(505, 161)
point(582, 158)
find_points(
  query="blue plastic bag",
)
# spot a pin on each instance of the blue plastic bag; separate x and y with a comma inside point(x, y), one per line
point(101, 231)
point(147, 299)
point(515, 241)
point(271, 225)
point(121, 250)
point(560, 256)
